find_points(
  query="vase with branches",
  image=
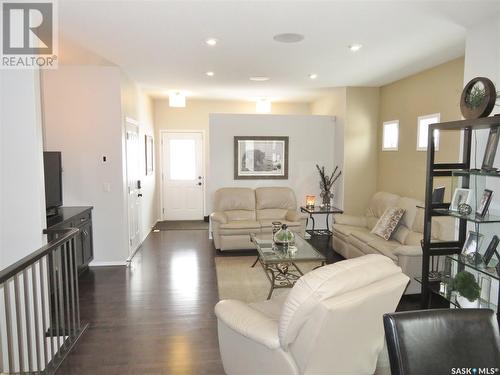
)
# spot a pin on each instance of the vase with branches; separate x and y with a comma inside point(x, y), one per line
point(326, 183)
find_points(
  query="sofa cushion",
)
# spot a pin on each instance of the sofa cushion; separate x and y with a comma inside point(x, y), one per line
point(344, 231)
point(271, 213)
point(233, 228)
point(373, 244)
point(275, 197)
point(234, 215)
point(388, 222)
point(228, 199)
point(380, 202)
point(410, 207)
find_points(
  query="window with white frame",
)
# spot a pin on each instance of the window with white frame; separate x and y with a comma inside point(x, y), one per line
point(390, 136)
point(423, 131)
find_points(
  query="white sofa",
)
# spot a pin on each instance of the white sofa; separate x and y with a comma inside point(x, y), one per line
point(329, 323)
point(352, 238)
point(241, 211)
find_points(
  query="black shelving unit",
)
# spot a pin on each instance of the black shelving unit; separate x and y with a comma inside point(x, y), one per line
point(432, 248)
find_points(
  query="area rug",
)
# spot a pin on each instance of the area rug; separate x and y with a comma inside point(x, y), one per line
point(236, 279)
point(182, 225)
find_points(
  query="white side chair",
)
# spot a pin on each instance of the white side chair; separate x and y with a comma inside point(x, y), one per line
point(329, 323)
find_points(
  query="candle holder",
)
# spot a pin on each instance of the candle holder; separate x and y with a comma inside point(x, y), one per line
point(310, 201)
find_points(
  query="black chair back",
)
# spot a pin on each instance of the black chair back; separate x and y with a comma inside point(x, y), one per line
point(443, 341)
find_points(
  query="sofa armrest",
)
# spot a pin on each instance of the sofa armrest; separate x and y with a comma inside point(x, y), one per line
point(356, 221)
point(295, 216)
point(248, 322)
point(415, 251)
point(220, 217)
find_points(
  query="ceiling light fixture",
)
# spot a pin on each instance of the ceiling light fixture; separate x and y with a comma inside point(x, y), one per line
point(210, 74)
point(288, 38)
point(263, 105)
point(211, 41)
point(177, 99)
point(313, 76)
point(355, 47)
point(259, 78)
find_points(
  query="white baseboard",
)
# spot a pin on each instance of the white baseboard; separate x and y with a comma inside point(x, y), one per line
point(107, 264)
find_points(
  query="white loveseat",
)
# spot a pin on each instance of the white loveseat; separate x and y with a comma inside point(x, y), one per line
point(352, 238)
point(329, 323)
point(241, 211)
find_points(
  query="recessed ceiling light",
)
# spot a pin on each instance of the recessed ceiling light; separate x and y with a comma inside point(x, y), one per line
point(263, 105)
point(259, 78)
point(355, 47)
point(210, 74)
point(211, 41)
point(288, 37)
point(313, 76)
point(177, 99)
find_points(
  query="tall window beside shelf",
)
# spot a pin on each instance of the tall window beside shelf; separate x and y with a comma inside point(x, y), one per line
point(423, 130)
point(390, 137)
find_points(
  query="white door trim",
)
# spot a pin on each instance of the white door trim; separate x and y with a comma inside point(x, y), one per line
point(130, 123)
point(204, 165)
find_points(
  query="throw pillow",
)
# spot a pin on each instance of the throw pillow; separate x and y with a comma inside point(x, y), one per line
point(388, 222)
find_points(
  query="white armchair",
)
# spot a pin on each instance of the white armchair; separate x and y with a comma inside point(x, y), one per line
point(329, 323)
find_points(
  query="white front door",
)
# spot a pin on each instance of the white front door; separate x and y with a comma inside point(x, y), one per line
point(133, 185)
point(182, 164)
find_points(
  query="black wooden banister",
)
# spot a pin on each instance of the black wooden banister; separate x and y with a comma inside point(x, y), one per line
point(40, 308)
point(28, 260)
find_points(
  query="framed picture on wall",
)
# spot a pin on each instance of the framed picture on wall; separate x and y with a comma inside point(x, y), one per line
point(260, 158)
point(149, 154)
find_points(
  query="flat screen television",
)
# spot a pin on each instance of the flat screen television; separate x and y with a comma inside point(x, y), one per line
point(52, 167)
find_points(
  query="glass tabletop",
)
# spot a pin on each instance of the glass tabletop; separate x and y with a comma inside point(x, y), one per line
point(300, 251)
point(321, 210)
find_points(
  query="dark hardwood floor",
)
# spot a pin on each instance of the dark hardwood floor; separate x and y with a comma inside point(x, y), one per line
point(157, 317)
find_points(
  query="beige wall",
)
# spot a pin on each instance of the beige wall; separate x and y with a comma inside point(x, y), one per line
point(333, 103)
point(195, 115)
point(356, 111)
point(436, 90)
point(360, 147)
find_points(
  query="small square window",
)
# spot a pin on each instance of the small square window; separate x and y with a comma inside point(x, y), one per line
point(390, 138)
point(423, 131)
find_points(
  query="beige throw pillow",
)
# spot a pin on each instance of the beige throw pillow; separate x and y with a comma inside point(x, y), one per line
point(388, 222)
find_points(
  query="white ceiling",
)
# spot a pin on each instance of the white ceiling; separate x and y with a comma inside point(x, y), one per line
point(160, 44)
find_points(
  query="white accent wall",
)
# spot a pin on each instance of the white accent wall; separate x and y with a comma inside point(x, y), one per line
point(22, 191)
point(83, 120)
point(311, 141)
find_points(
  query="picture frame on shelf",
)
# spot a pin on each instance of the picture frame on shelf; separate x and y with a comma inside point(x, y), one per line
point(492, 247)
point(491, 149)
point(472, 243)
point(460, 196)
point(438, 194)
point(484, 203)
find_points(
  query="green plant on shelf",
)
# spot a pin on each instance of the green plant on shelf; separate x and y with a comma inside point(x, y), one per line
point(466, 285)
point(476, 96)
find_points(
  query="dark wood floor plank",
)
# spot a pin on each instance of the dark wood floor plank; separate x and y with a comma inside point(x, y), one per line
point(155, 317)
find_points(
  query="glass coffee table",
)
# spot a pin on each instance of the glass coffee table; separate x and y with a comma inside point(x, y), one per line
point(280, 264)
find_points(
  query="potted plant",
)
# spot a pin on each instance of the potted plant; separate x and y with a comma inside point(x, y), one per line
point(468, 289)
